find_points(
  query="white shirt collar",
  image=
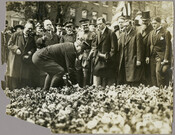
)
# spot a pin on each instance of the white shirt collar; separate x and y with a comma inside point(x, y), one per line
point(103, 30)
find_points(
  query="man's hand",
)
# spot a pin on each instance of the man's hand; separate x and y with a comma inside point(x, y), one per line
point(104, 56)
point(138, 63)
point(147, 60)
point(26, 56)
point(44, 37)
point(164, 62)
point(18, 52)
point(76, 85)
point(29, 52)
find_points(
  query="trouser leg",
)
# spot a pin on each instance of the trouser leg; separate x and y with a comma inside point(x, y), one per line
point(47, 82)
point(153, 71)
point(160, 77)
point(86, 77)
point(57, 77)
point(96, 80)
point(108, 81)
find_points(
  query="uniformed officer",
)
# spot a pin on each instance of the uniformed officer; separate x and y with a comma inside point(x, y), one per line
point(88, 37)
point(70, 36)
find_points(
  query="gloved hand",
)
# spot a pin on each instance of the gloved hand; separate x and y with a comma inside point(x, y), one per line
point(104, 56)
point(138, 63)
point(25, 57)
point(147, 60)
point(18, 52)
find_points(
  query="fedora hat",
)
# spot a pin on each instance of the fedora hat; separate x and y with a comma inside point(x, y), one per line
point(68, 23)
point(145, 15)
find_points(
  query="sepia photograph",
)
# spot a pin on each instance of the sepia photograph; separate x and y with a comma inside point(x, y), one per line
point(90, 67)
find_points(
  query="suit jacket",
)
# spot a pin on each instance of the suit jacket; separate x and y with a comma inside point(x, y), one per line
point(18, 67)
point(161, 44)
point(106, 44)
point(131, 50)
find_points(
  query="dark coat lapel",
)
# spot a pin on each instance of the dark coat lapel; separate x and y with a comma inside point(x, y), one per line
point(128, 38)
point(22, 40)
point(147, 31)
point(103, 36)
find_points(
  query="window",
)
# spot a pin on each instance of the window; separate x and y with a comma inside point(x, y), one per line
point(15, 22)
point(94, 15)
point(104, 16)
point(84, 14)
point(105, 3)
point(72, 12)
point(114, 3)
point(96, 2)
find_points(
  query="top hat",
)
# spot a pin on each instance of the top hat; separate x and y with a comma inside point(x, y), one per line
point(145, 15)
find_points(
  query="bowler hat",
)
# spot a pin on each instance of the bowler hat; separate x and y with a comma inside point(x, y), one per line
point(145, 15)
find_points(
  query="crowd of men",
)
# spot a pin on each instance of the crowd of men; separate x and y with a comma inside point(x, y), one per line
point(44, 55)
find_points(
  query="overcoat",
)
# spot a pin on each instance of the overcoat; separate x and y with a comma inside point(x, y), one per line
point(146, 44)
point(18, 66)
point(131, 50)
point(106, 44)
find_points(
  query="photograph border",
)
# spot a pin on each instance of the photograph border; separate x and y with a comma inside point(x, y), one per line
point(13, 126)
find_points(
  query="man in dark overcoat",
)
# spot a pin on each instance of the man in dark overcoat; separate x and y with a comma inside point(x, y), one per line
point(58, 60)
point(131, 55)
point(145, 31)
point(160, 54)
point(21, 47)
point(105, 48)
